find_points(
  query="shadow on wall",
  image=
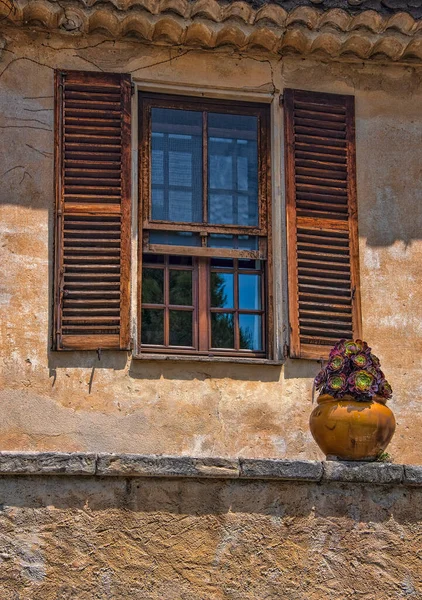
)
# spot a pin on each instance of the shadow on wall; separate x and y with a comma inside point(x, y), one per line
point(387, 218)
point(375, 504)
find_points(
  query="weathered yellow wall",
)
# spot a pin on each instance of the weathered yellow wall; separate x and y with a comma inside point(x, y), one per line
point(72, 401)
point(114, 539)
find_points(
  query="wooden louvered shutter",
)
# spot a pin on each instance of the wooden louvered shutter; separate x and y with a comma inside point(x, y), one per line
point(324, 294)
point(93, 182)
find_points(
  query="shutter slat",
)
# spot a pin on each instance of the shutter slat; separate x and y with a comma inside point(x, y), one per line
point(324, 301)
point(93, 211)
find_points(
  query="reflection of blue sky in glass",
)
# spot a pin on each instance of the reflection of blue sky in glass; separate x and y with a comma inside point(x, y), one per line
point(232, 169)
point(176, 165)
point(250, 332)
point(222, 293)
point(249, 292)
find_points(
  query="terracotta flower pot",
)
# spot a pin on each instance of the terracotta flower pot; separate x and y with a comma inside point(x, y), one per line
point(350, 430)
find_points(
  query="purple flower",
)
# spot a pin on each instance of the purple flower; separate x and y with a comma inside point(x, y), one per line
point(336, 384)
point(360, 360)
point(362, 382)
point(320, 379)
point(384, 389)
point(336, 363)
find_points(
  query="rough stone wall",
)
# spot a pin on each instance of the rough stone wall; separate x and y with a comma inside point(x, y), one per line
point(72, 401)
point(153, 539)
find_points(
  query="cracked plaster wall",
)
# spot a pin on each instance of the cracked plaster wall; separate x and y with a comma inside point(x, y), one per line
point(72, 401)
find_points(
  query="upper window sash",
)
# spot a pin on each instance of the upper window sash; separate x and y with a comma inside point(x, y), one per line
point(201, 117)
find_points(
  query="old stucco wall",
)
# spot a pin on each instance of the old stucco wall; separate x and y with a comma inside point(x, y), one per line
point(74, 402)
point(114, 538)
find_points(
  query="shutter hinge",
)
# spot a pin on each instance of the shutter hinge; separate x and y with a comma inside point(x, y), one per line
point(99, 353)
point(132, 88)
point(286, 351)
point(352, 296)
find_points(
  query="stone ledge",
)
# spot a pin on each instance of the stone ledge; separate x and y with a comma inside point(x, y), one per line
point(289, 470)
point(136, 465)
point(47, 463)
point(363, 472)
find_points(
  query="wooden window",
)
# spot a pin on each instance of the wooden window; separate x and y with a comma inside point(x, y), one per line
point(92, 236)
point(324, 293)
point(205, 261)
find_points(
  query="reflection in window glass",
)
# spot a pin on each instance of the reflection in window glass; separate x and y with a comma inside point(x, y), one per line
point(152, 286)
point(233, 169)
point(180, 287)
point(222, 295)
point(249, 292)
point(152, 326)
point(176, 169)
point(222, 330)
point(180, 328)
point(175, 238)
point(250, 331)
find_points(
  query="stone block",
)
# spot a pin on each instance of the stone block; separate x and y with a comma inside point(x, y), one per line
point(363, 472)
point(47, 463)
point(412, 475)
point(296, 470)
point(134, 465)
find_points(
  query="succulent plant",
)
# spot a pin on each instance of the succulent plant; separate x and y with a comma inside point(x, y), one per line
point(353, 369)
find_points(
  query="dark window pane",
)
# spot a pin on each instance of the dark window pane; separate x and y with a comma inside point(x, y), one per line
point(152, 286)
point(152, 326)
point(153, 258)
point(226, 263)
point(250, 291)
point(180, 260)
point(176, 169)
point(222, 295)
point(222, 330)
point(233, 169)
point(181, 287)
point(180, 328)
point(175, 238)
point(250, 332)
point(245, 263)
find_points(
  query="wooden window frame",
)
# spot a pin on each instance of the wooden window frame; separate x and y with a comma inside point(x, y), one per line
point(201, 255)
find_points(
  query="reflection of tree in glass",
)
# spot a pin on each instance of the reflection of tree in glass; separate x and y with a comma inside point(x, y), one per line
point(222, 324)
point(152, 326)
point(153, 286)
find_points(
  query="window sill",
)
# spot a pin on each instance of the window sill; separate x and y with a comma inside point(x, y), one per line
point(213, 359)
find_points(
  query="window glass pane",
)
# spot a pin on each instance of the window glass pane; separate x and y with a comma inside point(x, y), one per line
point(220, 240)
point(222, 330)
point(180, 260)
point(250, 291)
point(226, 263)
point(233, 169)
point(152, 326)
point(222, 295)
point(176, 165)
point(246, 263)
point(175, 238)
point(224, 240)
point(153, 258)
point(247, 242)
point(250, 332)
point(152, 286)
point(180, 328)
point(181, 287)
